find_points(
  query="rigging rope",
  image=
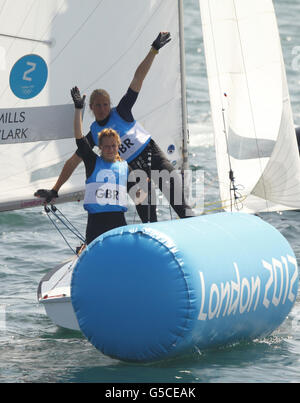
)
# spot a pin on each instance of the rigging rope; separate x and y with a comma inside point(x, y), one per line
point(63, 219)
point(226, 203)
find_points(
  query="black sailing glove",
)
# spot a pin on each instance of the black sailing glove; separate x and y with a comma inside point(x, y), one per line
point(77, 98)
point(162, 39)
point(48, 195)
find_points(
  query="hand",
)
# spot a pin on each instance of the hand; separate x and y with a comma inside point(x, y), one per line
point(140, 196)
point(162, 39)
point(48, 195)
point(77, 98)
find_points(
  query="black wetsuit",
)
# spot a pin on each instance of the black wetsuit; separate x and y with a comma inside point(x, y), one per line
point(158, 162)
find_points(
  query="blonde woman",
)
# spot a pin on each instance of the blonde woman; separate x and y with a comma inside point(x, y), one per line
point(106, 180)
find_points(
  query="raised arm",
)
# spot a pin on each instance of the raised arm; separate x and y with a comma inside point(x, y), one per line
point(79, 104)
point(162, 39)
point(72, 163)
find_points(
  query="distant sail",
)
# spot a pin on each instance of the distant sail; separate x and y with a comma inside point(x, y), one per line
point(252, 117)
point(48, 47)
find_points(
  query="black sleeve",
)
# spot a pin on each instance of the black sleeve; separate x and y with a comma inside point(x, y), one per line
point(90, 141)
point(129, 184)
point(87, 154)
point(298, 137)
point(125, 105)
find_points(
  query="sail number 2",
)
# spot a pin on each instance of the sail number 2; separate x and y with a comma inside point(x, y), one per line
point(30, 70)
point(28, 76)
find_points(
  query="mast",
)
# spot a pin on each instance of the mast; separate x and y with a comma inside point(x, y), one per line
point(243, 50)
point(183, 87)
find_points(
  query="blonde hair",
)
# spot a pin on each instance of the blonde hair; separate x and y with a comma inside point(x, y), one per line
point(110, 133)
point(98, 92)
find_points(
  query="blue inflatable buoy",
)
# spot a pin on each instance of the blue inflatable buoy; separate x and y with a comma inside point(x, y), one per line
point(150, 291)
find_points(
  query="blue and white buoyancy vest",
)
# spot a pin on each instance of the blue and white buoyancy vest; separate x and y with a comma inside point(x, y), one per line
point(134, 137)
point(106, 187)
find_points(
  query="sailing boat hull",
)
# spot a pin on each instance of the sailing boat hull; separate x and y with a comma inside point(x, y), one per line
point(54, 293)
point(151, 291)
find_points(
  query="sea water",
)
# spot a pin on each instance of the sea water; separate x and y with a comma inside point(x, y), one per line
point(33, 349)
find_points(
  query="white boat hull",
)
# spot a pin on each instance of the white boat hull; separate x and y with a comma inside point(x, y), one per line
point(54, 293)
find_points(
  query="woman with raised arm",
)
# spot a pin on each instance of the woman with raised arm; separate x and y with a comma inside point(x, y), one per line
point(136, 144)
point(106, 177)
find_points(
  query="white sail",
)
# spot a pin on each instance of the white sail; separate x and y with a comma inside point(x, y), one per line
point(47, 47)
point(251, 111)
